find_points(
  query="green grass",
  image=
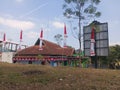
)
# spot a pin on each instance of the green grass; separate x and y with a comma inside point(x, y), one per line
point(37, 77)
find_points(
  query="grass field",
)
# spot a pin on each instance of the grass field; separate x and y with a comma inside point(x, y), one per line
point(37, 77)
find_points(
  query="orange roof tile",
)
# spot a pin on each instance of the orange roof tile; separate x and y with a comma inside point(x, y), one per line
point(49, 48)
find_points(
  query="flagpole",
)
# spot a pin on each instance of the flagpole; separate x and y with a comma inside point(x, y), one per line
point(92, 46)
point(20, 40)
point(93, 50)
point(65, 36)
point(41, 39)
point(4, 41)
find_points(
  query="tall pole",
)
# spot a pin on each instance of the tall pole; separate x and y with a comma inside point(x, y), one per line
point(20, 39)
point(79, 35)
point(4, 41)
point(96, 61)
point(92, 43)
point(41, 39)
point(93, 50)
point(65, 36)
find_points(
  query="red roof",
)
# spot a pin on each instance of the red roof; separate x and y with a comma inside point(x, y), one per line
point(49, 48)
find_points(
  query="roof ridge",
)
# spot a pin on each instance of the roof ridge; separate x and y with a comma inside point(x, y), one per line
point(51, 43)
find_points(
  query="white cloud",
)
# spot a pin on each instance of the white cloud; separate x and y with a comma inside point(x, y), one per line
point(19, 0)
point(114, 43)
point(57, 24)
point(25, 25)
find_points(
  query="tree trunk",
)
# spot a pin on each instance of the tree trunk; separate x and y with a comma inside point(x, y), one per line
point(79, 38)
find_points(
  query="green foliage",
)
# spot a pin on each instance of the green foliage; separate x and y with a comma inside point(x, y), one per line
point(96, 1)
point(97, 14)
point(78, 8)
point(114, 57)
point(103, 60)
point(58, 38)
point(95, 25)
point(114, 53)
point(40, 56)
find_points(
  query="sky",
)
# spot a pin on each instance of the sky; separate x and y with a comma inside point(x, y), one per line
point(33, 15)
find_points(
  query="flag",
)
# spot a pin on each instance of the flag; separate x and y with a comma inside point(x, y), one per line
point(65, 36)
point(4, 37)
point(65, 32)
point(21, 32)
point(4, 41)
point(21, 35)
point(92, 43)
point(41, 37)
point(41, 34)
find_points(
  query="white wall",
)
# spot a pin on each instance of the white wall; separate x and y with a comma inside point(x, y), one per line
point(7, 57)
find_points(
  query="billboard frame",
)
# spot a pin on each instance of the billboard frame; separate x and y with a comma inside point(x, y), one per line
point(101, 39)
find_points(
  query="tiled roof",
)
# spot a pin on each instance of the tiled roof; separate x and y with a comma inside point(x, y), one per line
point(49, 48)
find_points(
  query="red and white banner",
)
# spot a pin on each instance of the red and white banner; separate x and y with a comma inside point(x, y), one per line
point(41, 39)
point(92, 43)
point(65, 36)
point(21, 35)
point(4, 41)
point(21, 32)
point(4, 37)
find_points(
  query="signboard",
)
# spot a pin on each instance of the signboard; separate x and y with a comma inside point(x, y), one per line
point(101, 39)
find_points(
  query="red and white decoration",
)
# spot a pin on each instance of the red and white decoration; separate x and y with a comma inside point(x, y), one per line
point(92, 46)
point(21, 32)
point(41, 39)
point(4, 40)
point(65, 36)
point(4, 37)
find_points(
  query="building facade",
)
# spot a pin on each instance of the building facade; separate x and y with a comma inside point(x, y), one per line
point(48, 53)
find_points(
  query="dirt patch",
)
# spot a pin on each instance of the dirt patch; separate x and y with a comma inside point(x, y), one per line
point(33, 72)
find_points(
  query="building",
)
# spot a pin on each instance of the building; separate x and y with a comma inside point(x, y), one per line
point(50, 53)
point(7, 50)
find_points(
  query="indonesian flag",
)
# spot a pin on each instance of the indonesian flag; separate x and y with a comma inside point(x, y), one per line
point(65, 32)
point(92, 44)
point(4, 40)
point(20, 40)
point(41, 34)
point(4, 37)
point(41, 39)
point(21, 35)
point(65, 36)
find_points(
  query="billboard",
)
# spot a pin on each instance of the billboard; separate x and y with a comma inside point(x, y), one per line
point(101, 39)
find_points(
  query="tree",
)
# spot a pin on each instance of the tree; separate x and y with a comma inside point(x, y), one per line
point(114, 56)
point(58, 38)
point(114, 53)
point(80, 10)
